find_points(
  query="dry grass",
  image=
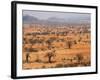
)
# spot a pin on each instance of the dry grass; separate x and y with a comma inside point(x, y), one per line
point(70, 46)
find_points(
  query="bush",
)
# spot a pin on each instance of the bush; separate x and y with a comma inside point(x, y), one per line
point(59, 65)
point(33, 50)
point(38, 60)
point(86, 63)
point(66, 65)
point(71, 65)
point(43, 66)
point(24, 61)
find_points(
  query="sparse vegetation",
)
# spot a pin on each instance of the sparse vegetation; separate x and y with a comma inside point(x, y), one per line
point(56, 47)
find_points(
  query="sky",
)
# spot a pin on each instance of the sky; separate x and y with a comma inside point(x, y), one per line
point(43, 15)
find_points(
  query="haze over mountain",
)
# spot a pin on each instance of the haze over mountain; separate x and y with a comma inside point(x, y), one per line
point(29, 19)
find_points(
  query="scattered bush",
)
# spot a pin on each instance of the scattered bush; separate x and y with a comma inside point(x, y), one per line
point(38, 60)
point(43, 66)
point(59, 65)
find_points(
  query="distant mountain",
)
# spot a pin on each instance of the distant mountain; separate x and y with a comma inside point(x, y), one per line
point(55, 20)
point(29, 19)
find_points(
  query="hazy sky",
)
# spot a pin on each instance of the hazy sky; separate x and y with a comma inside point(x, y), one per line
point(65, 15)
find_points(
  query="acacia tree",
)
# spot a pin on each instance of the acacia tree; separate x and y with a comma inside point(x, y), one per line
point(28, 50)
point(27, 55)
point(50, 55)
point(69, 44)
point(49, 42)
point(75, 42)
point(79, 58)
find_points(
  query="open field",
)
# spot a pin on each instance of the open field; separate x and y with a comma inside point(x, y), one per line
point(56, 46)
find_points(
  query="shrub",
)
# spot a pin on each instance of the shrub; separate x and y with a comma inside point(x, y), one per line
point(38, 60)
point(43, 66)
point(79, 57)
point(59, 65)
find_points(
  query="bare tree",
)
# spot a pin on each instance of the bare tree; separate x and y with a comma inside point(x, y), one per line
point(75, 42)
point(79, 57)
point(69, 44)
point(27, 57)
point(50, 55)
